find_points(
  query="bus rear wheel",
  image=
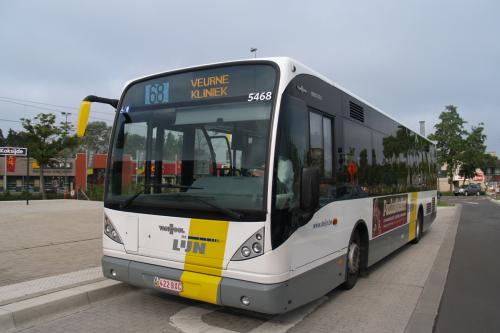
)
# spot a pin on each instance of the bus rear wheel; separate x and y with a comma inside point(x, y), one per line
point(418, 228)
point(353, 264)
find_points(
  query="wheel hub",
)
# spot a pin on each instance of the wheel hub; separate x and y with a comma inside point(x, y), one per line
point(353, 258)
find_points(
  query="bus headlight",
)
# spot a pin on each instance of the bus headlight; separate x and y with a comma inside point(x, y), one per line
point(245, 251)
point(110, 231)
point(252, 247)
point(256, 247)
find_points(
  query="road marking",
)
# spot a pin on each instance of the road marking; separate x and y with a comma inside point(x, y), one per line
point(188, 320)
point(284, 322)
point(472, 203)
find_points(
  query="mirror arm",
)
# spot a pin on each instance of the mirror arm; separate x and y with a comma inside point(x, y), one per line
point(97, 99)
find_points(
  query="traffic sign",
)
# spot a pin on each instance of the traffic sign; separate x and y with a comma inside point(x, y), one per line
point(17, 151)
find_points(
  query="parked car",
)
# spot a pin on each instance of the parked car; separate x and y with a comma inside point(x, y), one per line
point(471, 189)
point(50, 189)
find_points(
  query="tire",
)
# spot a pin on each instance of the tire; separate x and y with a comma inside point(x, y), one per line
point(418, 228)
point(353, 262)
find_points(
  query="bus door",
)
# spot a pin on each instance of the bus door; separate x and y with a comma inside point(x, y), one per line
point(315, 239)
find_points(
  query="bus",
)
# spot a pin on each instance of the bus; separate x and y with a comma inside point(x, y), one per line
point(256, 184)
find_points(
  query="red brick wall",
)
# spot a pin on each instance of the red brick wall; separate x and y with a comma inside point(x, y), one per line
point(81, 171)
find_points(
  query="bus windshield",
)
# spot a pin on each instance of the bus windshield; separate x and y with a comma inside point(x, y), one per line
point(193, 142)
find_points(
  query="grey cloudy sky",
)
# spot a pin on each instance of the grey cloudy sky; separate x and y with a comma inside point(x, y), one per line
point(409, 58)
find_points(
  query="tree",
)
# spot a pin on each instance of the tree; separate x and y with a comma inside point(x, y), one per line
point(474, 155)
point(46, 141)
point(15, 139)
point(450, 143)
point(96, 138)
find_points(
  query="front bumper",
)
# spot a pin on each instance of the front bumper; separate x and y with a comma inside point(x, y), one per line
point(264, 298)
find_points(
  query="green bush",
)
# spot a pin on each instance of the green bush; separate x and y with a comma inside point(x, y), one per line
point(96, 192)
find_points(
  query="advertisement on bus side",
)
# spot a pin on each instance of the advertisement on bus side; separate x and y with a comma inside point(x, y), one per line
point(388, 213)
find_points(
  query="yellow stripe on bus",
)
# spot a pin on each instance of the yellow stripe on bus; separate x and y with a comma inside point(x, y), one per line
point(202, 271)
point(413, 216)
point(201, 287)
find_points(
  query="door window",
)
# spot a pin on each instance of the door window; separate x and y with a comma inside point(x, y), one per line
point(320, 153)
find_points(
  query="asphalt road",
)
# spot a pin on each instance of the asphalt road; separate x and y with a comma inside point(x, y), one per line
point(471, 299)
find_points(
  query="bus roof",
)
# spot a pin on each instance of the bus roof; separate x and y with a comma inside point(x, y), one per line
point(283, 62)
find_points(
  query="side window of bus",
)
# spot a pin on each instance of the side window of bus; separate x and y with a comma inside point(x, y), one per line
point(291, 154)
point(320, 153)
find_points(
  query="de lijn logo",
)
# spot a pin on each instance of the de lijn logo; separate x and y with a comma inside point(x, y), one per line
point(193, 244)
point(189, 246)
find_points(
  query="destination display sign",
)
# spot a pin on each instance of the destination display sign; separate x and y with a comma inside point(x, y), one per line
point(239, 81)
point(18, 151)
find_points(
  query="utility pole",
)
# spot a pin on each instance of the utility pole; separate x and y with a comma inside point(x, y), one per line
point(5, 174)
point(28, 177)
point(66, 114)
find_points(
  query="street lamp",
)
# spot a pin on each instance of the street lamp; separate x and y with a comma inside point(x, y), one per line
point(254, 51)
point(66, 114)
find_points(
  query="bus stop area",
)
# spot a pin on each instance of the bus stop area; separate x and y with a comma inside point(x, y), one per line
point(50, 256)
point(48, 238)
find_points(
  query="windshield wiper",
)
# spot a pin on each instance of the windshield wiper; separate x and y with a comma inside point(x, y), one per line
point(130, 199)
point(229, 212)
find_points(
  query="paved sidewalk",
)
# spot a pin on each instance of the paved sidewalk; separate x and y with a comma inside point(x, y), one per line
point(48, 238)
point(20, 291)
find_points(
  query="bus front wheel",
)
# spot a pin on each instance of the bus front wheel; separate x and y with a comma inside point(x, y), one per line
point(353, 263)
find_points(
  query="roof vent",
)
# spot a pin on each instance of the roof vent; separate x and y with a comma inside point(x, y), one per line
point(356, 112)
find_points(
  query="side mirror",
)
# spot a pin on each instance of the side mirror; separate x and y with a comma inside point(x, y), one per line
point(309, 189)
point(83, 119)
point(83, 115)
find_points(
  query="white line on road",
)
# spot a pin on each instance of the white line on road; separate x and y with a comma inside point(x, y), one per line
point(189, 320)
point(284, 322)
point(472, 203)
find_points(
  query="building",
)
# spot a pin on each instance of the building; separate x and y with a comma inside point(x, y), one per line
point(458, 180)
point(15, 174)
point(62, 175)
point(492, 173)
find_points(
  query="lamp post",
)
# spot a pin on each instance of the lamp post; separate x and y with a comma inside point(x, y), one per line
point(254, 51)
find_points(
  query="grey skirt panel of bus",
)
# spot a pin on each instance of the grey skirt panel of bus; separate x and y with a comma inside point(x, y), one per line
point(265, 298)
point(428, 219)
point(387, 243)
point(284, 296)
point(137, 273)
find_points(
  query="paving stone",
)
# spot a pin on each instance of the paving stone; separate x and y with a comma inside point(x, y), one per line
point(48, 238)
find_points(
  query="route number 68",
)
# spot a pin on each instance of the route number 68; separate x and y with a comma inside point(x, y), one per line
point(262, 96)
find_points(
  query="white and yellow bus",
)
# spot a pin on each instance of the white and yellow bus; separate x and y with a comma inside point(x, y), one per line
point(257, 184)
